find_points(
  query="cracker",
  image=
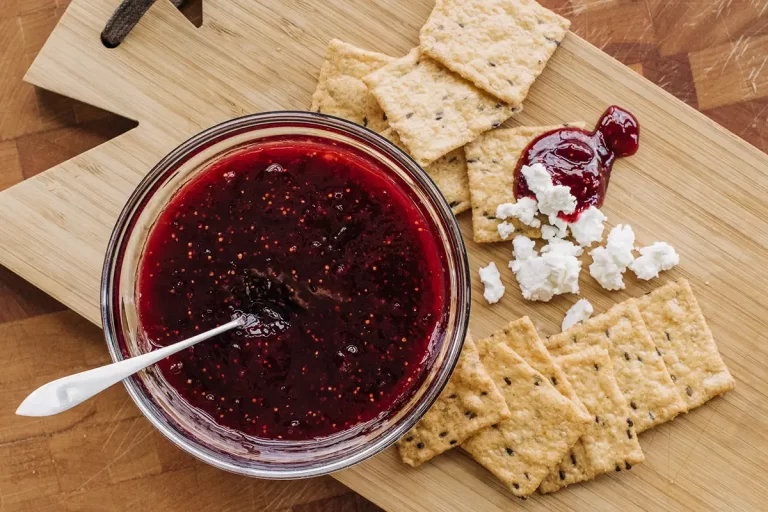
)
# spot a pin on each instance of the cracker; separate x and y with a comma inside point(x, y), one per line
point(469, 403)
point(610, 442)
point(449, 172)
point(491, 163)
point(432, 109)
point(341, 92)
point(640, 370)
point(678, 328)
point(521, 450)
point(499, 45)
point(572, 469)
point(521, 337)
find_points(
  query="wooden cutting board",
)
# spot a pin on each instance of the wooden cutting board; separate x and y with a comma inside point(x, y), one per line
point(692, 184)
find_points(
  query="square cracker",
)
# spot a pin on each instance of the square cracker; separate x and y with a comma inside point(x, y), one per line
point(640, 371)
point(610, 442)
point(341, 92)
point(499, 45)
point(433, 109)
point(521, 336)
point(521, 450)
point(449, 172)
point(469, 403)
point(681, 334)
point(491, 163)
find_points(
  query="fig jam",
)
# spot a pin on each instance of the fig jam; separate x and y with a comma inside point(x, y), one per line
point(580, 159)
point(337, 271)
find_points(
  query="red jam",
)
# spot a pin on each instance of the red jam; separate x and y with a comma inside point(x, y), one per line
point(580, 159)
point(336, 269)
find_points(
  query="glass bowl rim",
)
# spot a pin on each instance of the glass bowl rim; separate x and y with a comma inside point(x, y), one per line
point(218, 133)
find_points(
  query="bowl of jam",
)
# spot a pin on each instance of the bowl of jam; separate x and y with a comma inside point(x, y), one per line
point(342, 258)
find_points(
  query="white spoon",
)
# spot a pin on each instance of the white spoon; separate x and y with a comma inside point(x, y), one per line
point(67, 392)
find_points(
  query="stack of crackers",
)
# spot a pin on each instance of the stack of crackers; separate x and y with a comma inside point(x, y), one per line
point(547, 414)
point(537, 414)
point(475, 64)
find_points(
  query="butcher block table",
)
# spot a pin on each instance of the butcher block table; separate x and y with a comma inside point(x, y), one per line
point(711, 54)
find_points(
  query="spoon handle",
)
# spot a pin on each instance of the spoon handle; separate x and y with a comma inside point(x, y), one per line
point(64, 393)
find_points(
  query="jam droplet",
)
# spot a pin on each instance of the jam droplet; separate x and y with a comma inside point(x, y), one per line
point(580, 159)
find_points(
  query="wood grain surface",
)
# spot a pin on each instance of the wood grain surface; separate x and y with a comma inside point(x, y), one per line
point(691, 185)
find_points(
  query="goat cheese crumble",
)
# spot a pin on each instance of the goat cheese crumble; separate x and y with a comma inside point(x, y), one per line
point(610, 262)
point(523, 248)
point(554, 272)
point(548, 232)
point(589, 227)
point(621, 242)
point(579, 312)
point(561, 227)
point(505, 229)
point(552, 199)
point(491, 279)
point(525, 209)
point(653, 259)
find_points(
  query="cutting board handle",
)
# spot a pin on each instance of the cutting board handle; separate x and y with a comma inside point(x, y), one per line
point(125, 17)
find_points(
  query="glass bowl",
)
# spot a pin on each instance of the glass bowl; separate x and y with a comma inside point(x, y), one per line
point(163, 406)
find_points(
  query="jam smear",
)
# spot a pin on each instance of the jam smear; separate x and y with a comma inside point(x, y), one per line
point(580, 159)
point(335, 268)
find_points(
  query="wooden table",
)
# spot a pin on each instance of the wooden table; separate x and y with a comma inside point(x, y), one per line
point(104, 455)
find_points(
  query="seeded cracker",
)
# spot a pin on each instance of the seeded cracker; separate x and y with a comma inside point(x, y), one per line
point(499, 45)
point(449, 172)
point(544, 424)
point(682, 336)
point(469, 403)
point(521, 337)
point(640, 371)
point(491, 163)
point(341, 92)
point(432, 109)
point(610, 442)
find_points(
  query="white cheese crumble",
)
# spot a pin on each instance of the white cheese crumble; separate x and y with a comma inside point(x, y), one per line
point(525, 209)
point(653, 259)
point(579, 312)
point(554, 272)
point(589, 227)
point(621, 241)
point(505, 229)
point(533, 277)
point(605, 270)
point(523, 248)
point(491, 280)
point(560, 246)
point(560, 224)
point(610, 262)
point(548, 232)
point(562, 258)
point(552, 199)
